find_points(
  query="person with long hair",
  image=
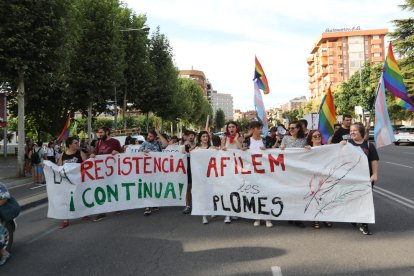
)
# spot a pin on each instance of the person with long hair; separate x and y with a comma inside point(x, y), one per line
point(203, 142)
point(296, 139)
point(315, 140)
point(72, 154)
point(231, 140)
point(357, 133)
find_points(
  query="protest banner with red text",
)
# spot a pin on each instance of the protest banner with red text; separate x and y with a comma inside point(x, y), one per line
point(326, 183)
point(110, 183)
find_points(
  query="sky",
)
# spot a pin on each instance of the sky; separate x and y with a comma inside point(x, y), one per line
point(222, 37)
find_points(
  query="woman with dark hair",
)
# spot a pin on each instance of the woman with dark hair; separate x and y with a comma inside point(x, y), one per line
point(296, 139)
point(50, 150)
point(72, 154)
point(231, 140)
point(203, 142)
point(357, 133)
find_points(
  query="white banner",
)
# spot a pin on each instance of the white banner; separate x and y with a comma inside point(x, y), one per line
point(170, 148)
point(111, 183)
point(327, 183)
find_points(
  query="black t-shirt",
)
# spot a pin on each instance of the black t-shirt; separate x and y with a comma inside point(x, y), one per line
point(340, 134)
point(369, 150)
point(270, 141)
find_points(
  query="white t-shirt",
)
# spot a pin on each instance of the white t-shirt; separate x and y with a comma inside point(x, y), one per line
point(256, 144)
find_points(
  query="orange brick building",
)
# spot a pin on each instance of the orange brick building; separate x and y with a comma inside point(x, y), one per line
point(338, 54)
point(198, 76)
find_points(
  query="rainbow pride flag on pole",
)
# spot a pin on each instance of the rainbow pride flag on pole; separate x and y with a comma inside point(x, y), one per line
point(260, 77)
point(327, 116)
point(66, 130)
point(393, 81)
point(383, 132)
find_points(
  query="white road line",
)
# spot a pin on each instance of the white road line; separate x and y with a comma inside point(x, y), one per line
point(395, 195)
point(44, 234)
point(399, 164)
point(276, 271)
point(396, 200)
point(38, 186)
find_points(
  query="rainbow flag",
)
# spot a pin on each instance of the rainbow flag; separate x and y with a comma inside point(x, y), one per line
point(260, 109)
point(66, 130)
point(327, 116)
point(260, 77)
point(393, 81)
point(383, 132)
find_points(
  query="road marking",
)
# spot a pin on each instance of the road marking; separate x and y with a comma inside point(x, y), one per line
point(38, 186)
point(42, 235)
point(398, 164)
point(395, 195)
point(397, 198)
point(276, 271)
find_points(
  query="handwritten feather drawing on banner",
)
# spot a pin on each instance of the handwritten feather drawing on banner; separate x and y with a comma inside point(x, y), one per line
point(328, 191)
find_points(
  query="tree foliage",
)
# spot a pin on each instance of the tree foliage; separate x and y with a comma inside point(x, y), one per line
point(219, 119)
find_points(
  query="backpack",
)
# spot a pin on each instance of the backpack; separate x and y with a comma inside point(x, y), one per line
point(35, 157)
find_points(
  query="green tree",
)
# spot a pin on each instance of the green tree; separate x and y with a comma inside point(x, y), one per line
point(291, 115)
point(31, 33)
point(219, 119)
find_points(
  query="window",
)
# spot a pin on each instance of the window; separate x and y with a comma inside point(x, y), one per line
point(376, 54)
point(375, 37)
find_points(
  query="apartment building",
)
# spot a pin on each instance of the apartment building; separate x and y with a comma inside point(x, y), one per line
point(197, 76)
point(338, 54)
point(224, 102)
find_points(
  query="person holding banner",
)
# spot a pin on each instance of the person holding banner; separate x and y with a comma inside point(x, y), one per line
point(189, 145)
point(203, 142)
point(357, 133)
point(231, 140)
point(105, 145)
point(255, 142)
point(153, 145)
point(315, 140)
point(72, 154)
point(296, 139)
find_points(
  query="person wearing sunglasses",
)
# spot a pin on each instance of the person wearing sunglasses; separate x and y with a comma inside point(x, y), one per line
point(315, 140)
point(296, 139)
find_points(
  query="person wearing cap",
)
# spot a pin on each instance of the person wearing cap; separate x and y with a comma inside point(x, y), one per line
point(272, 138)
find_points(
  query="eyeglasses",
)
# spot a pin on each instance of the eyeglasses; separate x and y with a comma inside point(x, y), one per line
point(292, 128)
point(316, 136)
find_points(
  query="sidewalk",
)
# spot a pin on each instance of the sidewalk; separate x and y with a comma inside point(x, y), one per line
point(23, 189)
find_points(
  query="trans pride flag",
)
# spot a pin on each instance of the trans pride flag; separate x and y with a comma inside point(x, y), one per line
point(260, 108)
point(393, 81)
point(66, 130)
point(383, 132)
point(260, 77)
point(327, 116)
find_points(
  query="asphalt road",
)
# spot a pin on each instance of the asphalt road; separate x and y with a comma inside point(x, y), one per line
point(170, 243)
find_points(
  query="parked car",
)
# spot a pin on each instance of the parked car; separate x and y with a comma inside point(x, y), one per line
point(404, 134)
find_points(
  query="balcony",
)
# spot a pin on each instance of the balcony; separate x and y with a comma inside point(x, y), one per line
point(376, 50)
point(324, 61)
point(324, 54)
point(312, 86)
point(331, 44)
point(324, 72)
point(377, 59)
point(311, 73)
point(376, 41)
point(309, 60)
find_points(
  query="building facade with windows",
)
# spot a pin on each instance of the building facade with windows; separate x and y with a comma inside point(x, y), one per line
point(337, 55)
point(224, 102)
point(197, 76)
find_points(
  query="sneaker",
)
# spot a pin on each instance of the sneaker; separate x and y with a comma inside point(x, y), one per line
point(99, 217)
point(227, 219)
point(256, 223)
point(364, 229)
point(187, 210)
point(205, 221)
point(4, 258)
point(64, 224)
point(269, 224)
point(147, 211)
